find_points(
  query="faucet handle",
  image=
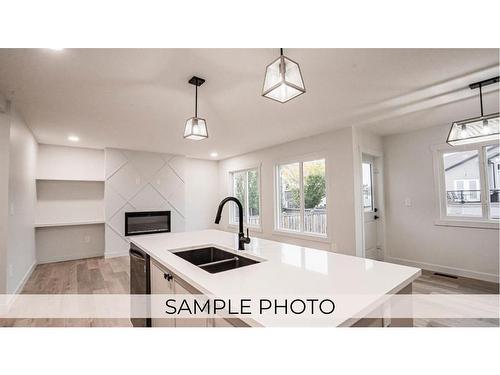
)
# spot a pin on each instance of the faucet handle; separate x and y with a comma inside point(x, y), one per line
point(247, 238)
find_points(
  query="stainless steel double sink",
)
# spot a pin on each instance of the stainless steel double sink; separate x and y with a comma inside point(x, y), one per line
point(214, 260)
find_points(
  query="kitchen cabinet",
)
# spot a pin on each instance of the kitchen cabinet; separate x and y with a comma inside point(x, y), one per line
point(161, 284)
point(165, 282)
point(187, 322)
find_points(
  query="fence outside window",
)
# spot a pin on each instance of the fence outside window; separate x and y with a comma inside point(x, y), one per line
point(314, 220)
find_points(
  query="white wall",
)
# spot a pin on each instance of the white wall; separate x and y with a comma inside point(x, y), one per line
point(337, 146)
point(21, 256)
point(70, 163)
point(202, 193)
point(412, 238)
point(369, 142)
point(141, 181)
point(4, 196)
point(69, 201)
point(57, 244)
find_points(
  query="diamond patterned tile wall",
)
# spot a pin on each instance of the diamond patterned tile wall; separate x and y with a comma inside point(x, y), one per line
point(140, 181)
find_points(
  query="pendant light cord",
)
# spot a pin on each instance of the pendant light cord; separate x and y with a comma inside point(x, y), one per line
point(281, 51)
point(196, 102)
point(481, 98)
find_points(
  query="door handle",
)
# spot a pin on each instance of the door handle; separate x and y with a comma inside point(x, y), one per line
point(167, 276)
point(375, 217)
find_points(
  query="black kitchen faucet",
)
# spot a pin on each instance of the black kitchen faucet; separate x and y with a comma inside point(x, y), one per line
point(242, 240)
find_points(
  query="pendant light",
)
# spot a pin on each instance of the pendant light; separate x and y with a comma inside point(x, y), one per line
point(283, 80)
point(477, 129)
point(196, 128)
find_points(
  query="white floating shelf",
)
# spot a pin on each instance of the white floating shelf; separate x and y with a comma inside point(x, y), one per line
point(68, 224)
point(69, 179)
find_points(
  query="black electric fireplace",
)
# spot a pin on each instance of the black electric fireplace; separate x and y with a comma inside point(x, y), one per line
point(146, 222)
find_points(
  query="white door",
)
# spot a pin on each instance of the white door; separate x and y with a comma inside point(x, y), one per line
point(371, 212)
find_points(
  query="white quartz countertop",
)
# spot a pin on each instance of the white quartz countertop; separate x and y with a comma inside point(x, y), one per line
point(285, 270)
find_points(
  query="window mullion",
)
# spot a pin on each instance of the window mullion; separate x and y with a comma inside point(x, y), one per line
point(302, 203)
point(484, 185)
point(372, 187)
point(247, 209)
point(233, 193)
point(277, 198)
point(443, 196)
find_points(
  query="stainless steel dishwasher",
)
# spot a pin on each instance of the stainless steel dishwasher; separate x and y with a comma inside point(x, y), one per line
point(140, 283)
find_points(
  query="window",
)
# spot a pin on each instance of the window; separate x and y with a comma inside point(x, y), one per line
point(469, 183)
point(492, 157)
point(367, 187)
point(301, 197)
point(245, 187)
point(461, 177)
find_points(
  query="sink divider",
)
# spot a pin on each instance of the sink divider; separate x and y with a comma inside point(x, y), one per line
point(218, 262)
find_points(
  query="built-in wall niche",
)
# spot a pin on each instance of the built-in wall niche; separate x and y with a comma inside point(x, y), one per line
point(70, 203)
point(70, 163)
point(61, 243)
point(65, 203)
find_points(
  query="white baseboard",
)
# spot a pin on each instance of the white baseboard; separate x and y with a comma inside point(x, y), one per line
point(116, 254)
point(445, 269)
point(63, 258)
point(25, 278)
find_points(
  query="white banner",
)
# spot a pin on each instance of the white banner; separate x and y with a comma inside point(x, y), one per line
point(272, 310)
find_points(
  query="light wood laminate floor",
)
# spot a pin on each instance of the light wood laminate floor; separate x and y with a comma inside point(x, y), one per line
point(102, 276)
point(430, 283)
point(83, 276)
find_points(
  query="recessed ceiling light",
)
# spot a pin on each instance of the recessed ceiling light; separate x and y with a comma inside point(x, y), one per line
point(73, 138)
point(56, 48)
point(214, 154)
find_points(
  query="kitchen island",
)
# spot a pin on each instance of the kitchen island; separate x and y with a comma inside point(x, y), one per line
point(357, 285)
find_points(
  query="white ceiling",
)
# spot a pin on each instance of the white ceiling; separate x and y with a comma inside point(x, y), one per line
point(140, 98)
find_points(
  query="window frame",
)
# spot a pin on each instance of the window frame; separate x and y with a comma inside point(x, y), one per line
point(372, 190)
point(230, 221)
point(442, 218)
point(319, 237)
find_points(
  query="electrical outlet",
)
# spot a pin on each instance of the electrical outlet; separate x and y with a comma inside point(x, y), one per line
point(86, 239)
point(11, 270)
point(408, 202)
point(12, 210)
point(138, 181)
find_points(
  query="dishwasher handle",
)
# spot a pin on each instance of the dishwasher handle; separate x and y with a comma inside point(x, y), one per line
point(137, 254)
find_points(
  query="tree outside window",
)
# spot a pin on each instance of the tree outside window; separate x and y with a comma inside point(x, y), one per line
point(246, 190)
point(302, 197)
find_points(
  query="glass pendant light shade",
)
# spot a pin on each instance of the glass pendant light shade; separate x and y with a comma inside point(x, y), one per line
point(196, 129)
point(283, 80)
point(479, 129)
